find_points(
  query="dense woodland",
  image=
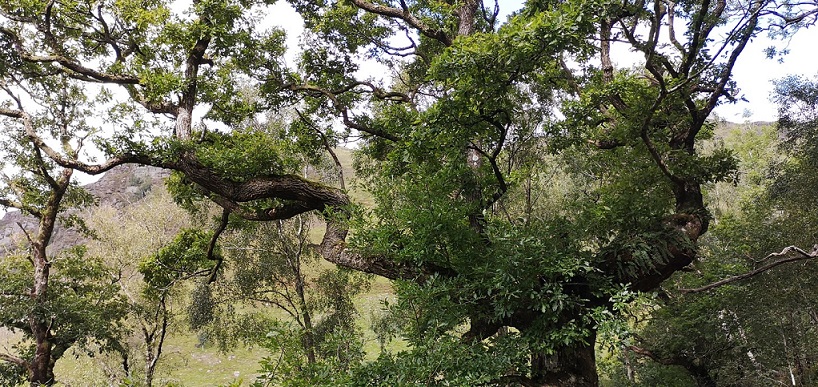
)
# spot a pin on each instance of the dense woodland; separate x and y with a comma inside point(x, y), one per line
point(540, 216)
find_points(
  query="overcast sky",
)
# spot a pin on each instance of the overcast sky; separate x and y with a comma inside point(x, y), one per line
point(753, 73)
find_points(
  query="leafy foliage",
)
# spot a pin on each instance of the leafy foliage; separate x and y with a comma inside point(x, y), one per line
point(83, 306)
point(751, 332)
point(186, 256)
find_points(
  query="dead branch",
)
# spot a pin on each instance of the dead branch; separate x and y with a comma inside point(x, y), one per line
point(802, 256)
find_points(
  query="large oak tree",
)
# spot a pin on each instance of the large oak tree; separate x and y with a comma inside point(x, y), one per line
point(453, 149)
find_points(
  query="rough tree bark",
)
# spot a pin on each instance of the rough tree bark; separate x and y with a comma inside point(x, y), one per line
point(42, 364)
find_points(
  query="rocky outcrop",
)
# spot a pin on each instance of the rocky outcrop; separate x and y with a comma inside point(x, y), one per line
point(119, 187)
point(126, 184)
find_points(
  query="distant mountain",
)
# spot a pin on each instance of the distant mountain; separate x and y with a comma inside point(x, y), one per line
point(119, 187)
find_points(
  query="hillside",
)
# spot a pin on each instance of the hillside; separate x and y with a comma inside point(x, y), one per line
point(119, 187)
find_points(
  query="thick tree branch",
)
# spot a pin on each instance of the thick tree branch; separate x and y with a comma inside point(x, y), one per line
point(649, 354)
point(11, 113)
point(605, 144)
point(376, 91)
point(8, 203)
point(152, 106)
point(284, 211)
point(184, 110)
point(607, 64)
point(671, 29)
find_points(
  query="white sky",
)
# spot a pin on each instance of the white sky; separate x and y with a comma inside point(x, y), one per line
point(753, 73)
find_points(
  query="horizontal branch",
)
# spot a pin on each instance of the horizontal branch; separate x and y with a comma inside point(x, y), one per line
point(802, 256)
point(793, 19)
point(376, 91)
point(72, 66)
point(13, 359)
point(8, 203)
point(304, 195)
point(285, 211)
point(649, 354)
point(10, 113)
point(605, 144)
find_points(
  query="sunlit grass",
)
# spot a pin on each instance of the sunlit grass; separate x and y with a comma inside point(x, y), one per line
point(183, 363)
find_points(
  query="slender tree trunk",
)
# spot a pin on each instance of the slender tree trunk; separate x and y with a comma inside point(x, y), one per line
point(41, 367)
point(149, 362)
point(42, 364)
point(153, 344)
point(308, 340)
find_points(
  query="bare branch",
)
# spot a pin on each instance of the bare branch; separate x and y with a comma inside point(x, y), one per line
point(671, 29)
point(332, 96)
point(66, 162)
point(11, 113)
point(43, 171)
point(793, 19)
point(25, 232)
point(801, 256)
point(492, 158)
point(654, 153)
point(8, 203)
point(327, 146)
point(490, 20)
point(72, 67)
point(403, 14)
point(152, 106)
point(748, 31)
